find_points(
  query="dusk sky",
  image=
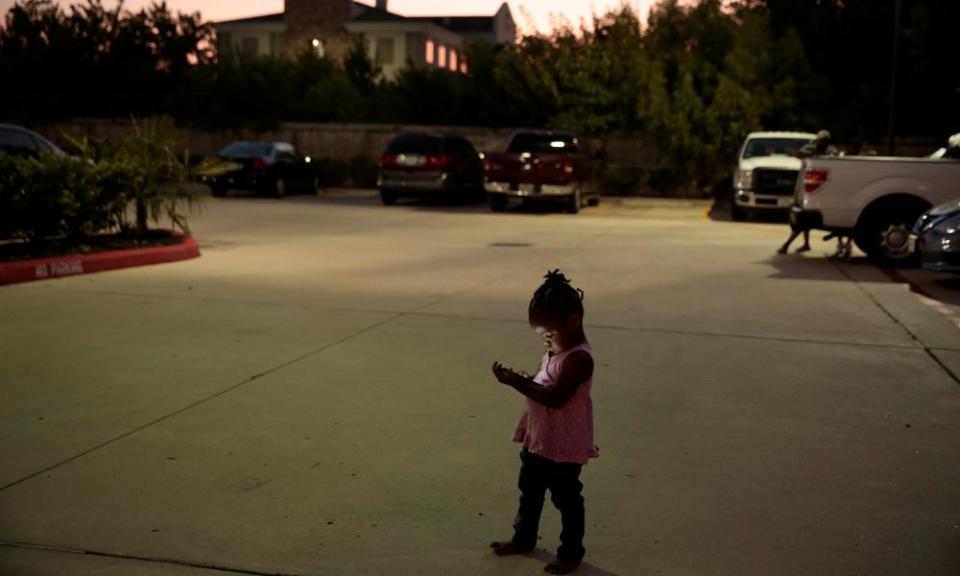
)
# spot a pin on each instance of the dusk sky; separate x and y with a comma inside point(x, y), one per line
point(539, 10)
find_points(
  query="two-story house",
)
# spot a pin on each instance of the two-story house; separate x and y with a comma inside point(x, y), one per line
point(392, 41)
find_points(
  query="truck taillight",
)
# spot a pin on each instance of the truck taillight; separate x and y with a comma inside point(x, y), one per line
point(813, 180)
point(260, 164)
point(568, 166)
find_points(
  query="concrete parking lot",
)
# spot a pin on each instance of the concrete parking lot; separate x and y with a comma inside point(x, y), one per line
point(312, 396)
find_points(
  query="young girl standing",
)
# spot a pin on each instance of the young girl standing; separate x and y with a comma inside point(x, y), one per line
point(556, 428)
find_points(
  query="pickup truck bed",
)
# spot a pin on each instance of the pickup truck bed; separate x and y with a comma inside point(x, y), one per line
point(876, 200)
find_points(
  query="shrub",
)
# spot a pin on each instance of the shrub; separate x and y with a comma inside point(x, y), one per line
point(71, 198)
point(621, 179)
point(48, 196)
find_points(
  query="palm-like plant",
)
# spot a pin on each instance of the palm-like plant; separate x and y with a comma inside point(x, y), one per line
point(159, 175)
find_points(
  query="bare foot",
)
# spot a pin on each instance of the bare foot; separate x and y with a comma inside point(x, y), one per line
point(803, 249)
point(561, 566)
point(507, 548)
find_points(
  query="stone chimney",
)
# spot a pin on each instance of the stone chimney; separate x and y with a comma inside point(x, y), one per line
point(382, 5)
point(316, 25)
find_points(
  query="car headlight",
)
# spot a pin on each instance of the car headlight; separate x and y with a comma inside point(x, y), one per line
point(744, 179)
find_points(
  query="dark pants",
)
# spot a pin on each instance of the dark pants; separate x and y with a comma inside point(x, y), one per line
point(537, 474)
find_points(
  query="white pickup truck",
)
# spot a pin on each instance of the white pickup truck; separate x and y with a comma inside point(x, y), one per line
point(766, 172)
point(876, 200)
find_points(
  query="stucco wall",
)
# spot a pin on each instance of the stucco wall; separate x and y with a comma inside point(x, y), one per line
point(335, 141)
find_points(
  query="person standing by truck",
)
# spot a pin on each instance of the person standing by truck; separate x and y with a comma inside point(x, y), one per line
point(794, 232)
point(820, 146)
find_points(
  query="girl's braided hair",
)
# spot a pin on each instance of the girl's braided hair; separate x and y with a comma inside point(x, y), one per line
point(556, 296)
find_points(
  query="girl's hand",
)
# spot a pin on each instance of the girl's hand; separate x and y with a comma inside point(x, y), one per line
point(508, 376)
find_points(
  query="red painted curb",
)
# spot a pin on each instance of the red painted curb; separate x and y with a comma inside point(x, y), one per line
point(76, 264)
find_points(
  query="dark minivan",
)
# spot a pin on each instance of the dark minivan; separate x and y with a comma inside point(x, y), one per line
point(438, 165)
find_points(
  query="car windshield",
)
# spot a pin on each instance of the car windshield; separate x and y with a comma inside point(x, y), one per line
point(246, 150)
point(534, 142)
point(757, 147)
point(416, 144)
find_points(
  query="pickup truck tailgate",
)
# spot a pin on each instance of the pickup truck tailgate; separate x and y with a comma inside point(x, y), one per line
point(530, 168)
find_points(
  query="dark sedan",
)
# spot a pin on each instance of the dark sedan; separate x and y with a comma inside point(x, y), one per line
point(19, 141)
point(273, 168)
point(936, 237)
point(438, 165)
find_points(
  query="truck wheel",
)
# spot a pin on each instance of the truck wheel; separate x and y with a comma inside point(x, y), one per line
point(574, 202)
point(218, 190)
point(595, 201)
point(388, 198)
point(498, 202)
point(884, 237)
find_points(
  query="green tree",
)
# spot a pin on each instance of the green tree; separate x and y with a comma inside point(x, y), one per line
point(96, 61)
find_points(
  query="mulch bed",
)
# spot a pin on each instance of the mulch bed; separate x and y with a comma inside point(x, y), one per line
point(13, 250)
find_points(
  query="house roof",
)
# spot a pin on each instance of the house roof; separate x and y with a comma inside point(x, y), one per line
point(367, 13)
point(357, 8)
point(375, 15)
point(460, 23)
point(267, 19)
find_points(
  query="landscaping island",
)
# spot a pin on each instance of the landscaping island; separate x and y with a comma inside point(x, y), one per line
point(99, 255)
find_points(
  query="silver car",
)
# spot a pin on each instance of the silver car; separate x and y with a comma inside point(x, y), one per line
point(936, 238)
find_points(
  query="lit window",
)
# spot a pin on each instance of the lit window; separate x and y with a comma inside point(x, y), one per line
point(453, 60)
point(429, 54)
point(442, 57)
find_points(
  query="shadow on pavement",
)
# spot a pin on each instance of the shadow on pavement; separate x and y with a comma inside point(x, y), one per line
point(952, 285)
point(720, 212)
point(585, 569)
point(796, 267)
point(371, 198)
point(932, 285)
point(940, 286)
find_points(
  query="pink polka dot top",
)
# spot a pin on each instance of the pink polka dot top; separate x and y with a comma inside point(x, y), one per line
point(562, 434)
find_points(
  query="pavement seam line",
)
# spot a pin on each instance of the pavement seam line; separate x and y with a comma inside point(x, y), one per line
point(418, 311)
point(204, 400)
point(690, 332)
point(878, 304)
point(81, 552)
